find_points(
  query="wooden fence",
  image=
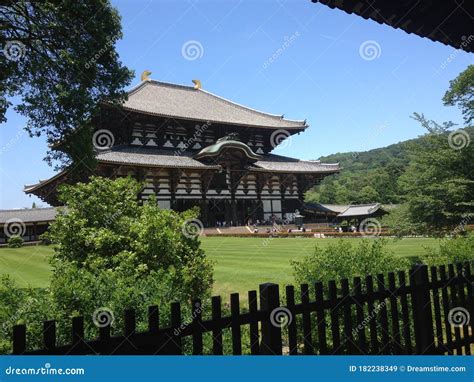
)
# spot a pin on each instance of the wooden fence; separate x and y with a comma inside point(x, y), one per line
point(376, 315)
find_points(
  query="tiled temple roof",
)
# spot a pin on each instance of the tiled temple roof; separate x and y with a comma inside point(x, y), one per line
point(278, 163)
point(360, 210)
point(151, 158)
point(162, 158)
point(186, 102)
point(346, 210)
point(28, 215)
point(167, 158)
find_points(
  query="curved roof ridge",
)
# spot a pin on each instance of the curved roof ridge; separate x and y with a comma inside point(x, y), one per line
point(137, 87)
point(363, 204)
point(139, 99)
point(27, 209)
point(233, 103)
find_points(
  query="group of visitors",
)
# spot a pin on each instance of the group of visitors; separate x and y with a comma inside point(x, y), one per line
point(340, 229)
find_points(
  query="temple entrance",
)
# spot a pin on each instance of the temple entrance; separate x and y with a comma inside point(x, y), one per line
point(220, 212)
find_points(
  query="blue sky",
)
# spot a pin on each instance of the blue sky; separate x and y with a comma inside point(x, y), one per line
point(319, 72)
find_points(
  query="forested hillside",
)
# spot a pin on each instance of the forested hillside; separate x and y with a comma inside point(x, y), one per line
point(369, 176)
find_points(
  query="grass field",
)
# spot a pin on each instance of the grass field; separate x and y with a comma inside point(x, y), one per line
point(241, 264)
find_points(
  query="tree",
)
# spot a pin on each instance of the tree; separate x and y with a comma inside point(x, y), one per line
point(368, 194)
point(461, 93)
point(399, 221)
point(60, 59)
point(104, 225)
point(111, 250)
point(438, 184)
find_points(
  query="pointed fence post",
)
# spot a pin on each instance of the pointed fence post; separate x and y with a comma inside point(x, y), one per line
point(271, 343)
point(421, 305)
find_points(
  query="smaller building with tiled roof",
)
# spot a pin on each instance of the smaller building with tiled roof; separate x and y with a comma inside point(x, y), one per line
point(29, 223)
point(343, 212)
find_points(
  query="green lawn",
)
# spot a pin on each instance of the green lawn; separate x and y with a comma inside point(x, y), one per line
point(240, 263)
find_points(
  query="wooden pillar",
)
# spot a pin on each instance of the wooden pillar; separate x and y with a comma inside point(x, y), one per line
point(283, 186)
point(259, 187)
point(206, 178)
point(175, 175)
point(227, 212)
point(233, 209)
point(204, 211)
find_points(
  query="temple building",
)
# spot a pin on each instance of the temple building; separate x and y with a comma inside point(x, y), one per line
point(193, 148)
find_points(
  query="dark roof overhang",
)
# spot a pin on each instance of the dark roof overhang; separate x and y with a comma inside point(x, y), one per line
point(446, 21)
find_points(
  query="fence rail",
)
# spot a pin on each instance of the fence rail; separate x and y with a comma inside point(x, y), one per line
point(427, 313)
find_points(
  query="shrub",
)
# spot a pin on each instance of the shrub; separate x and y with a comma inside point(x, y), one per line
point(451, 250)
point(105, 224)
point(15, 241)
point(343, 259)
point(112, 251)
point(22, 306)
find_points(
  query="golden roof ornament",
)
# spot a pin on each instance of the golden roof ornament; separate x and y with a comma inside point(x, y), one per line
point(197, 84)
point(145, 75)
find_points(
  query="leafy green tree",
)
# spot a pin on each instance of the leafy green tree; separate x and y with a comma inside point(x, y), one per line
point(438, 184)
point(113, 251)
point(368, 194)
point(104, 225)
point(399, 222)
point(461, 93)
point(60, 59)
